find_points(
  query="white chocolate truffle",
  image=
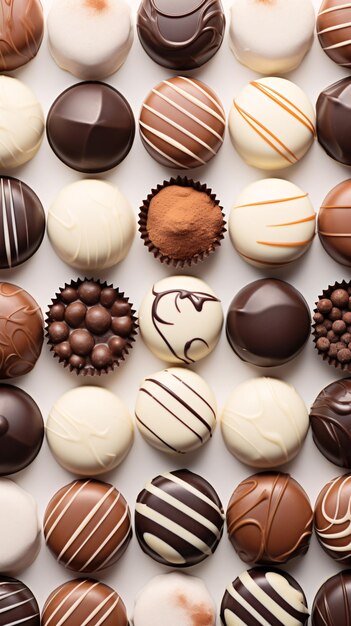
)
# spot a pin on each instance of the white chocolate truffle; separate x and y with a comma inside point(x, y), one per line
point(271, 37)
point(90, 38)
point(180, 319)
point(22, 123)
point(19, 528)
point(272, 223)
point(174, 599)
point(89, 431)
point(264, 422)
point(91, 225)
point(175, 410)
point(272, 123)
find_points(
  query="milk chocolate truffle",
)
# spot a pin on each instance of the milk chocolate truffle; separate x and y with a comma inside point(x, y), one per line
point(331, 422)
point(332, 325)
point(21, 330)
point(334, 30)
point(332, 519)
point(334, 122)
point(21, 32)
point(269, 519)
point(84, 601)
point(332, 604)
point(264, 596)
point(178, 519)
point(90, 127)
point(268, 322)
point(18, 604)
point(90, 327)
point(181, 36)
point(21, 429)
point(87, 525)
point(334, 223)
point(182, 123)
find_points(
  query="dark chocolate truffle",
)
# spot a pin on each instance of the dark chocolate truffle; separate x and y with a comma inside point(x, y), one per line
point(178, 519)
point(257, 517)
point(90, 127)
point(334, 223)
point(182, 123)
point(332, 325)
point(87, 525)
point(21, 331)
point(332, 519)
point(22, 222)
point(181, 35)
point(334, 30)
point(268, 322)
point(331, 422)
point(90, 327)
point(84, 601)
point(264, 596)
point(21, 429)
point(334, 120)
point(332, 604)
point(21, 32)
point(18, 604)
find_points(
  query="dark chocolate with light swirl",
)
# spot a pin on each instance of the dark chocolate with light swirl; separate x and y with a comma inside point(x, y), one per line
point(17, 604)
point(331, 422)
point(181, 35)
point(332, 604)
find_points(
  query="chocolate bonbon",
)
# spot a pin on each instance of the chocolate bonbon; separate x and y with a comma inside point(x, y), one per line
point(90, 38)
point(178, 519)
point(174, 598)
point(18, 604)
point(87, 525)
point(175, 410)
point(332, 519)
point(84, 601)
point(21, 329)
point(181, 37)
point(90, 127)
point(272, 223)
point(180, 319)
point(264, 596)
point(91, 225)
point(264, 422)
point(334, 223)
point(20, 530)
point(331, 605)
point(272, 123)
point(331, 422)
point(90, 327)
point(334, 30)
point(89, 430)
point(258, 42)
point(182, 123)
point(268, 322)
point(333, 120)
point(265, 502)
point(21, 429)
point(21, 32)
point(332, 325)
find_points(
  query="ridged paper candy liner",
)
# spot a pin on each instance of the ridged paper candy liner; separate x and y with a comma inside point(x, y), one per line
point(326, 293)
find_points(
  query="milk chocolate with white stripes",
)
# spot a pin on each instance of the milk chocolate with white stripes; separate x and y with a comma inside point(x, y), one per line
point(334, 30)
point(87, 525)
point(178, 519)
point(17, 603)
point(334, 120)
point(332, 519)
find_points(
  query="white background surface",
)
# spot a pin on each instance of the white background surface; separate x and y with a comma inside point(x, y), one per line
point(225, 272)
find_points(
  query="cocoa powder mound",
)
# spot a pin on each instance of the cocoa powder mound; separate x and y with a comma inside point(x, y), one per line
point(183, 222)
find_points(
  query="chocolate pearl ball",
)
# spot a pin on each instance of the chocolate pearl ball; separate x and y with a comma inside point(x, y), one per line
point(78, 362)
point(101, 356)
point(82, 342)
point(122, 326)
point(335, 314)
point(346, 338)
point(318, 318)
point(323, 344)
point(339, 297)
point(58, 331)
point(340, 345)
point(321, 330)
point(333, 351)
point(327, 324)
point(75, 314)
point(117, 345)
point(107, 297)
point(339, 327)
point(89, 293)
point(120, 308)
point(98, 320)
point(347, 317)
point(324, 305)
point(69, 295)
point(344, 355)
point(57, 312)
point(332, 336)
point(63, 350)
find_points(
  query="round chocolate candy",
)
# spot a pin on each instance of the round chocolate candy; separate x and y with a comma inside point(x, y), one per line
point(182, 36)
point(265, 502)
point(84, 601)
point(21, 429)
point(87, 525)
point(334, 223)
point(178, 519)
point(21, 30)
point(21, 329)
point(268, 322)
point(333, 120)
point(264, 596)
point(332, 519)
point(332, 325)
point(18, 604)
point(90, 127)
point(331, 606)
point(182, 123)
point(334, 30)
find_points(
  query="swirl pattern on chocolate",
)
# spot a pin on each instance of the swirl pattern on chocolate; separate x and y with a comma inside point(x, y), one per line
point(21, 32)
point(332, 604)
point(334, 30)
point(332, 518)
point(17, 603)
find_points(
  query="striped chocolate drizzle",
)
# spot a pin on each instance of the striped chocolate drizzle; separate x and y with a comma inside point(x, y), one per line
point(17, 604)
point(334, 30)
